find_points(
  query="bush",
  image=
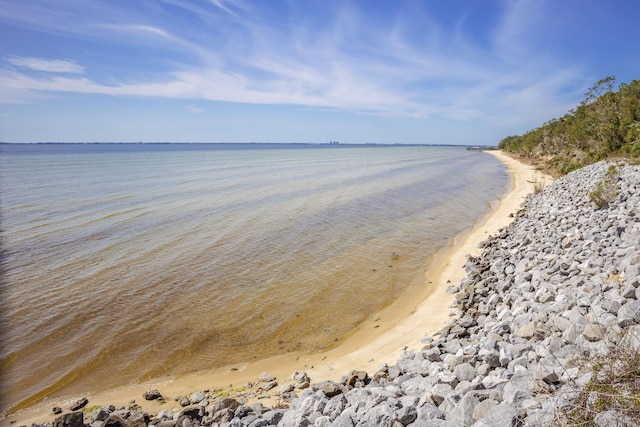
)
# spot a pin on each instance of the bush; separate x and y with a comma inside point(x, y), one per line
point(606, 190)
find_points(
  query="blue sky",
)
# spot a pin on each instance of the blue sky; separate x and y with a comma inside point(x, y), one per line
point(431, 71)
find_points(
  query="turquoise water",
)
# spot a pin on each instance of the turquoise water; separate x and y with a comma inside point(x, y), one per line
point(123, 263)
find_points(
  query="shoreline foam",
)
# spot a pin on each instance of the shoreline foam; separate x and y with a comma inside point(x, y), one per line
point(377, 341)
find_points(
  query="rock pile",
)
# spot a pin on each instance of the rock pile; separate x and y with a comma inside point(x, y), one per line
point(560, 284)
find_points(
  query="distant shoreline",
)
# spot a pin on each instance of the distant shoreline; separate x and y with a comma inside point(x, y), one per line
point(250, 144)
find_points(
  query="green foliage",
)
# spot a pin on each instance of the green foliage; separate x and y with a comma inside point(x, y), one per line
point(605, 124)
point(607, 189)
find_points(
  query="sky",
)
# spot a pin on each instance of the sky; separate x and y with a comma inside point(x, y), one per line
point(356, 71)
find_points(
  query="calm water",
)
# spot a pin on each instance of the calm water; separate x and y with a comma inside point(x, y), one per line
point(122, 263)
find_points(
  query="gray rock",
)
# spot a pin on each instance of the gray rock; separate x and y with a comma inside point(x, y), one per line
point(439, 392)
point(79, 404)
point(432, 355)
point(465, 372)
point(482, 408)
point(406, 415)
point(343, 420)
point(505, 355)
point(114, 421)
point(197, 397)
point(502, 415)
point(101, 413)
point(224, 403)
point(273, 417)
point(546, 374)
point(335, 406)
point(613, 418)
point(329, 388)
point(74, 419)
point(518, 389)
point(268, 386)
point(294, 419)
point(380, 415)
point(152, 395)
point(138, 419)
point(266, 377)
point(594, 332)
point(462, 413)
point(629, 314)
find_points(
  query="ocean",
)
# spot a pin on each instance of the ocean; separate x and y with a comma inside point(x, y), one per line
point(127, 262)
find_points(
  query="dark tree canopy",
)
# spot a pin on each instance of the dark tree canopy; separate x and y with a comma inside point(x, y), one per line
point(605, 124)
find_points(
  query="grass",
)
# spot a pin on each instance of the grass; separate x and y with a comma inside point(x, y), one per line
point(614, 387)
point(607, 189)
point(538, 183)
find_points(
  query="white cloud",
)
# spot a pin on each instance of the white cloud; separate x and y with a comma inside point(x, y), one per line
point(47, 65)
point(409, 65)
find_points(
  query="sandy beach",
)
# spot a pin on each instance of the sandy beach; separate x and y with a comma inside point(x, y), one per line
point(419, 313)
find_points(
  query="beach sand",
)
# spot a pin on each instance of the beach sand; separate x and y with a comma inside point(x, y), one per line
point(420, 313)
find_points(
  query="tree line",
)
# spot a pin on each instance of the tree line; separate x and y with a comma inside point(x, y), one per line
point(606, 124)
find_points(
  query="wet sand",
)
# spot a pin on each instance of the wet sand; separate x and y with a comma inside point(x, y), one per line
point(421, 312)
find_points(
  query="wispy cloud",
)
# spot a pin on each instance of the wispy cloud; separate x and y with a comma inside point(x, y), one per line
point(47, 65)
point(404, 64)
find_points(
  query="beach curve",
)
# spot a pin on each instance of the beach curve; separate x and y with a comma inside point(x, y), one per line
point(418, 314)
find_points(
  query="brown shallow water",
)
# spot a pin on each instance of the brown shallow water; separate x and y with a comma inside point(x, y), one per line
point(121, 266)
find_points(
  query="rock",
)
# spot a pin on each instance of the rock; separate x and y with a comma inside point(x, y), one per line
point(152, 395)
point(79, 404)
point(74, 419)
point(462, 413)
point(406, 415)
point(301, 379)
point(343, 420)
point(432, 355)
point(224, 403)
point(465, 372)
point(629, 314)
point(518, 389)
point(197, 397)
point(56, 410)
point(439, 392)
point(266, 377)
point(594, 332)
point(334, 407)
point(612, 418)
point(223, 415)
point(329, 388)
point(114, 421)
point(193, 412)
point(482, 408)
point(502, 415)
point(505, 355)
point(138, 419)
point(273, 417)
point(268, 386)
point(547, 374)
point(101, 413)
point(184, 401)
point(631, 339)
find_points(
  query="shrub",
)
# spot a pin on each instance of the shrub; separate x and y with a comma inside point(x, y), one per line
point(538, 183)
point(607, 189)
